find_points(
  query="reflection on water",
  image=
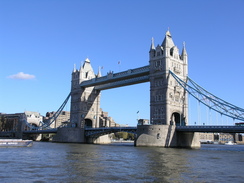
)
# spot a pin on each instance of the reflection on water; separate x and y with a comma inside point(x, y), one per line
point(57, 162)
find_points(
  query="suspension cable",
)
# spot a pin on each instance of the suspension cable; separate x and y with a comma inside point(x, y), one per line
point(51, 120)
point(210, 100)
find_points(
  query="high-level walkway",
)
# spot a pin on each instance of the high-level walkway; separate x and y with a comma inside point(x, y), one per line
point(125, 78)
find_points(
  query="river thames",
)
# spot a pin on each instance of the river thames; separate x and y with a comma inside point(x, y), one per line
point(63, 162)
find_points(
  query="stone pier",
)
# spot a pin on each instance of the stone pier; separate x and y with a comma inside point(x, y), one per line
point(165, 136)
point(77, 135)
point(72, 135)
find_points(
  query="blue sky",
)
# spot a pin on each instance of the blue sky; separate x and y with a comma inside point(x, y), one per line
point(41, 40)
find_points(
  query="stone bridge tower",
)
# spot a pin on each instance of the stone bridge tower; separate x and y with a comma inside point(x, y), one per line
point(169, 104)
point(85, 109)
point(85, 102)
point(168, 100)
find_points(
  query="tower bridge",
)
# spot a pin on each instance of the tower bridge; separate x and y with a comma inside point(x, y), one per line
point(167, 73)
point(168, 101)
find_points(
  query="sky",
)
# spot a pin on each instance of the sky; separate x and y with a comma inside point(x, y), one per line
point(41, 40)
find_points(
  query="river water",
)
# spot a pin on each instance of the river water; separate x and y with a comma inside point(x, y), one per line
point(63, 162)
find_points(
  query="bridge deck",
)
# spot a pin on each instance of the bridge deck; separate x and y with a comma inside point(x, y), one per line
point(108, 130)
point(217, 129)
point(132, 129)
point(52, 130)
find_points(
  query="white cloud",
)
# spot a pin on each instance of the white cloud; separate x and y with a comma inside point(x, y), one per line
point(21, 75)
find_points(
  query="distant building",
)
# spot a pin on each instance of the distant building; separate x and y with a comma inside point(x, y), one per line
point(143, 122)
point(221, 138)
point(33, 118)
point(63, 118)
point(207, 138)
point(13, 122)
point(106, 121)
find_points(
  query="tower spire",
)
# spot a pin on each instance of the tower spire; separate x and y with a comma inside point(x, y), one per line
point(184, 53)
point(152, 49)
point(152, 44)
point(99, 72)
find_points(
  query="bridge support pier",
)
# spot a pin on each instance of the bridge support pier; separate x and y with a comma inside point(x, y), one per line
point(77, 135)
point(188, 139)
point(165, 136)
point(73, 135)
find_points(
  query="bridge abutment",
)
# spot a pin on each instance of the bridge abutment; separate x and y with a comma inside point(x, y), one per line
point(165, 136)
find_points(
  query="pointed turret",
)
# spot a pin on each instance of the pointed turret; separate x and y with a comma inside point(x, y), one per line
point(152, 44)
point(87, 64)
point(184, 57)
point(167, 43)
point(184, 53)
point(87, 60)
point(99, 73)
point(74, 70)
point(152, 49)
point(86, 70)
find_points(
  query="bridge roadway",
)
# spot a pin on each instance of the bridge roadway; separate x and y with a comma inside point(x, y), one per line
point(132, 129)
point(211, 128)
point(51, 130)
point(107, 130)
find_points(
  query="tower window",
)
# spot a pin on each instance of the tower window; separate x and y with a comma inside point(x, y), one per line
point(158, 63)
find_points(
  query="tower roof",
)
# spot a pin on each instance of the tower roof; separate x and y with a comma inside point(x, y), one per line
point(168, 41)
point(87, 66)
point(87, 60)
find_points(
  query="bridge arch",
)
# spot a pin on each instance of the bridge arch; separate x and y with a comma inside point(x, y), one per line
point(88, 123)
point(97, 132)
point(175, 119)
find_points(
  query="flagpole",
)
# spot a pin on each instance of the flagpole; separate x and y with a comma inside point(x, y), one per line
point(119, 65)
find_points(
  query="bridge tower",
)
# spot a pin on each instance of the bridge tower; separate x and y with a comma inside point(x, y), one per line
point(85, 102)
point(168, 100)
point(85, 105)
point(85, 109)
point(168, 103)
